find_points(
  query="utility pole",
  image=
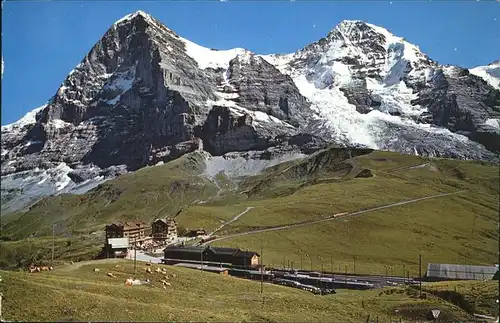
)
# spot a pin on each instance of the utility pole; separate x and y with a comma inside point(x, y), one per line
point(261, 272)
point(135, 256)
point(53, 241)
point(420, 274)
point(311, 263)
point(201, 258)
point(301, 262)
point(354, 263)
point(331, 262)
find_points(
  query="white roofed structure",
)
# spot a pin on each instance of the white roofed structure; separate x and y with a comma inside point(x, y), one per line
point(118, 243)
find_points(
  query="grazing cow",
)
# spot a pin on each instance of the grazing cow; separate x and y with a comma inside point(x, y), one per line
point(111, 275)
point(165, 277)
point(37, 269)
point(158, 270)
point(51, 268)
point(32, 269)
point(167, 284)
point(148, 270)
point(173, 276)
point(44, 268)
point(148, 263)
point(96, 270)
point(128, 282)
point(71, 262)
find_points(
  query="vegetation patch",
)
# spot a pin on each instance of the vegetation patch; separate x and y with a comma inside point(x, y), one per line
point(380, 242)
point(78, 293)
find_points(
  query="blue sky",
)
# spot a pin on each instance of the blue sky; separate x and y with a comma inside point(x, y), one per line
point(43, 41)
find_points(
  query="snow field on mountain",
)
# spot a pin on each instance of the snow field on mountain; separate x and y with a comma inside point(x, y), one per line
point(233, 165)
point(490, 74)
point(207, 58)
point(27, 119)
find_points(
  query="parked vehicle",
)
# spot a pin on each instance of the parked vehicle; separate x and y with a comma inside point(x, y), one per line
point(310, 288)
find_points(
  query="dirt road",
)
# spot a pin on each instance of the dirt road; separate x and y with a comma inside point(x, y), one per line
point(232, 220)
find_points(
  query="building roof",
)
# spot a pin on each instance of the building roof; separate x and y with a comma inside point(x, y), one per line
point(215, 250)
point(246, 254)
point(190, 249)
point(118, 243)
point(129, 224)
point(462, 272)
point(223, 251)
point(166, 221)
point(205, 267)
point(235, 252)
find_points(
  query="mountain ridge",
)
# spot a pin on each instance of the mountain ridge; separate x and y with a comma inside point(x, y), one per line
point(268, 56)
point(144, 95)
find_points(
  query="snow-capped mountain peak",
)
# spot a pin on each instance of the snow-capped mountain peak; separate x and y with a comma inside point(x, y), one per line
point(131, 16)
point(359, 49)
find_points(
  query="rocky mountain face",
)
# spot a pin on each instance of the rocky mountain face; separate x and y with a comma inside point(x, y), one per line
point(374, 89)
point(145, 95)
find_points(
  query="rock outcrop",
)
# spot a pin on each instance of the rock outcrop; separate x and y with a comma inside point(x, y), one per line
point(144, 95)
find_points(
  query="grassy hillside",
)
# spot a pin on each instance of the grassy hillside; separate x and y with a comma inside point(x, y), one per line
point(474, 297)
point(76, 292)
point(148, 193)
point(453, 229)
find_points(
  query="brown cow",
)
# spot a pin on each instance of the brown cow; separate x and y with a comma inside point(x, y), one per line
point(44, 268)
